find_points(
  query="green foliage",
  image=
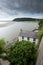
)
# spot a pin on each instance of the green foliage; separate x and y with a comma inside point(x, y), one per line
point(40, 23)
point(2, 44)
point(22, 53)
point(40, 34)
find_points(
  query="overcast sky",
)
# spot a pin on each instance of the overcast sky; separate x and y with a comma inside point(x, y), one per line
point(10, 9)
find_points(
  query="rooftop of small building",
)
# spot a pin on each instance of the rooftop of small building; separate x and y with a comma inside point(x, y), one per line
point(30, 34)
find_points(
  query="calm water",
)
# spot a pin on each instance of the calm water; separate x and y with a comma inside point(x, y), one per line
point(12, 30)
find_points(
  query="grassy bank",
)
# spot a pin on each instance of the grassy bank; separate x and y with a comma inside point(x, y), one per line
point(40, 34)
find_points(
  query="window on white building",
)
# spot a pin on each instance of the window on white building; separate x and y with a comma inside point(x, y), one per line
point(34, 39)
point(27, 38)
point(22, 37)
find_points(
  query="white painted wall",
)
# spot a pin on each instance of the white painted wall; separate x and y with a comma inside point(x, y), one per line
point(36, 41)
point(25, 38)
point(20, 38)
point(31, 39)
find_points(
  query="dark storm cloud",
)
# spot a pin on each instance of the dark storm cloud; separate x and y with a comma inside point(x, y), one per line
point(13, 7)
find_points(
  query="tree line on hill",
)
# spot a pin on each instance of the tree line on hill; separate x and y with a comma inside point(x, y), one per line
point(25, 19)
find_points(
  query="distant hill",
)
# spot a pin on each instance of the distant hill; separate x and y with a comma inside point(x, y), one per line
point(25, 19)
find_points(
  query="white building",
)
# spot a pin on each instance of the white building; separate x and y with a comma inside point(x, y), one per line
point(28, 36)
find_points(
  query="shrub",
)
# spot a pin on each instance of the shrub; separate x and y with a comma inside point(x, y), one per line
point(40, 34)
point(22, 53)
point(2, 45)
point(40, 23)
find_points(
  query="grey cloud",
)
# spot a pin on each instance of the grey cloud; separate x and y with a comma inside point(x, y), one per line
point(14, 6)
point(26, 5)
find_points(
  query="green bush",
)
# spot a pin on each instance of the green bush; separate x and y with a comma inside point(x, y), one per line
point(2, 45)
point(40, 23)
point(40, 34)
point(22, 53)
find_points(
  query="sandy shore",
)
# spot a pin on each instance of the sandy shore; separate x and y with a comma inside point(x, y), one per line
point(4, 24)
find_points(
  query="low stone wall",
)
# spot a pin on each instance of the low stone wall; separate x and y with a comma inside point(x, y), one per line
point(40, 54)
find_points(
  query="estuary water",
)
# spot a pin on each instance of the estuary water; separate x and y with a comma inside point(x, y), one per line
point(9, 31)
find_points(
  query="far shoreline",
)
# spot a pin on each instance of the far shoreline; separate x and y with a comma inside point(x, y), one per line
point(12, 22)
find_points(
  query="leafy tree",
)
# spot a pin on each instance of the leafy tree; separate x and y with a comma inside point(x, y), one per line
point(22, 53)
point(2, 44)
